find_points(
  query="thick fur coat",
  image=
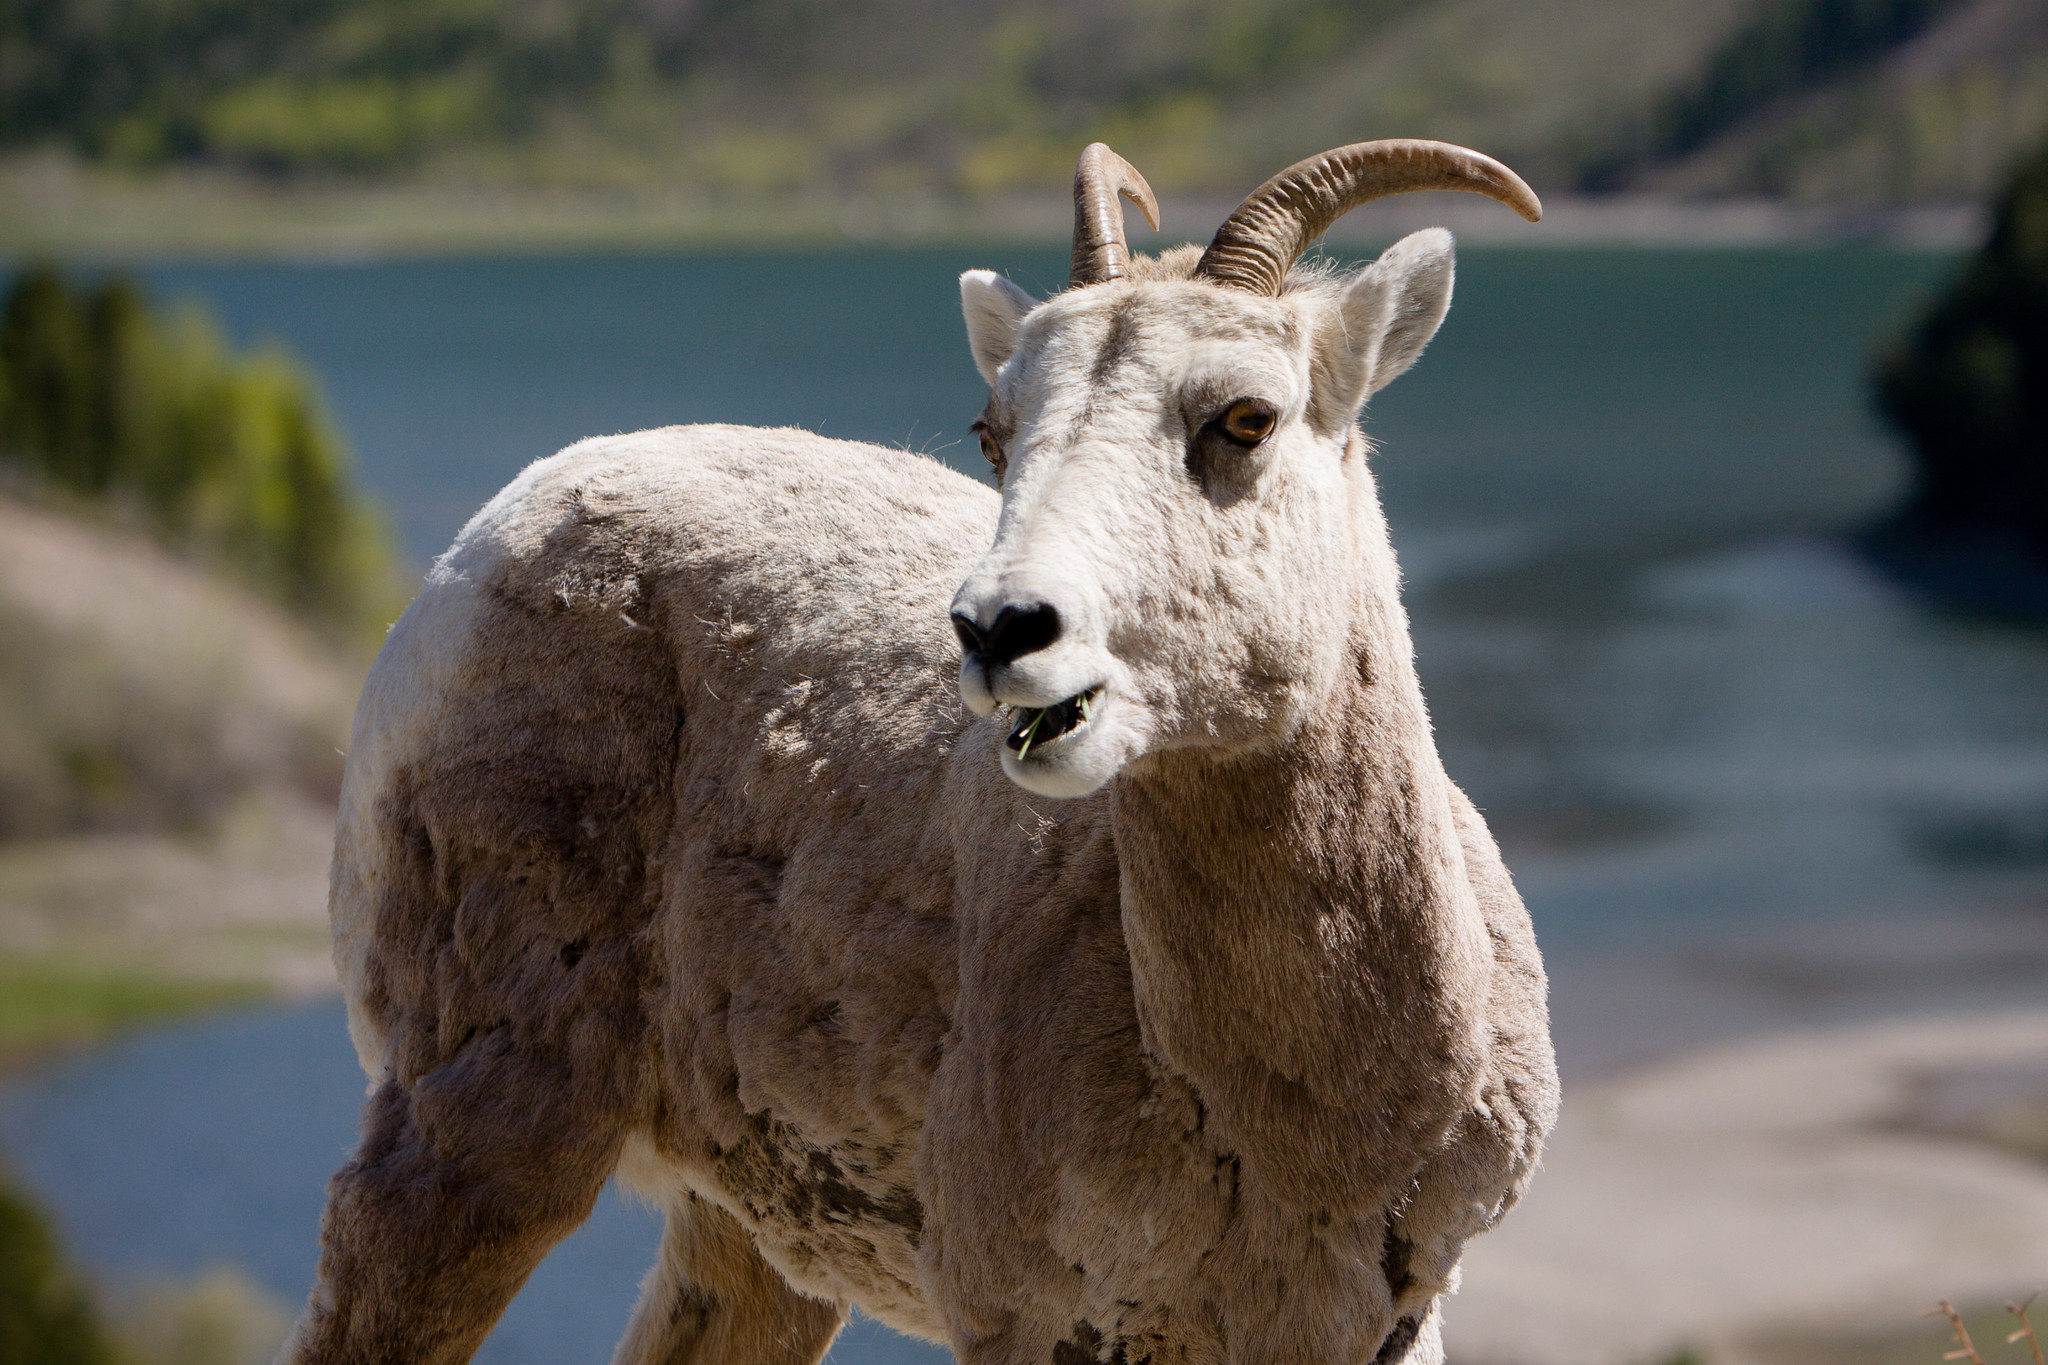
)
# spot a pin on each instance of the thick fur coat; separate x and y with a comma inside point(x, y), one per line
point(668, 848)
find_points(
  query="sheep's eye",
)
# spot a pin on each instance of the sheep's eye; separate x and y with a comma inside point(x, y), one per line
point(990, 451)
point(1247, 421)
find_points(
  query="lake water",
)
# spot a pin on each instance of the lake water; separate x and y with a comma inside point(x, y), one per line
point(1705, 731)
point(1570, 393)
point(210, 1145)
point(1614, 481)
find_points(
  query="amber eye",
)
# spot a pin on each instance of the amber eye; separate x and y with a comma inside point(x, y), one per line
point(1248, 421)
point(990, 451)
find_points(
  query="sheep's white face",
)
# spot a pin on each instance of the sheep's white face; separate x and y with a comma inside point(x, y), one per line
point(1176, 562)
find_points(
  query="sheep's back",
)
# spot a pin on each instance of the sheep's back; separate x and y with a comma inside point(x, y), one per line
point(646, 781)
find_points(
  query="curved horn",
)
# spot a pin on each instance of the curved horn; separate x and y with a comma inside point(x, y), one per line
point(1099, 250)
point(1277, 221)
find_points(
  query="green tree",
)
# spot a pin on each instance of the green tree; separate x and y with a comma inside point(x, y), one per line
point(45, 1316)
point(1968, 384)
point(47, 357)
point(105, 399)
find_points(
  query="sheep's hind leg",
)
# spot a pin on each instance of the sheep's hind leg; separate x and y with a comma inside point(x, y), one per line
point(712, 1300)
point(462, 1182)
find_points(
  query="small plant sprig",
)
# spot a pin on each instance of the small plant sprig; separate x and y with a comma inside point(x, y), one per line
point(1966, 1350)
point(2019, 1310)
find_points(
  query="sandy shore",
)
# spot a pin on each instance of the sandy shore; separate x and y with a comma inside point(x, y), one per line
point(1745, 1200)
point(244, 903)
point(1781, 1150)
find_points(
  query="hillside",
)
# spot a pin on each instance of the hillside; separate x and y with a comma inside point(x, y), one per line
point(711, 105)
point(170, 752)
point(1942, 114)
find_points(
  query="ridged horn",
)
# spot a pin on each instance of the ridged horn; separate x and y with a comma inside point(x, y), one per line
point(1099, 250)
point(1268, 232)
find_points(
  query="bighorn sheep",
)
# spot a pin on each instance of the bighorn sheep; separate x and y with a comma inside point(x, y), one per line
point(667, 849)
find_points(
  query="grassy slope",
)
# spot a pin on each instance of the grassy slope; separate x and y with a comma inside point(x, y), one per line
point(168, 764)
point(46, 1005)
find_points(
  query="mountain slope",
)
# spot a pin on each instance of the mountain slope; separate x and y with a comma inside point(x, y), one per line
point(1834, 101)
point(1943, 115)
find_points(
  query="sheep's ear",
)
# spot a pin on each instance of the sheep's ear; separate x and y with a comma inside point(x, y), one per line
point(1384, 318)
point(993, 307)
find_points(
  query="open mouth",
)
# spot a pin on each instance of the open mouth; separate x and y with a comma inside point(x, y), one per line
point(1034, 726)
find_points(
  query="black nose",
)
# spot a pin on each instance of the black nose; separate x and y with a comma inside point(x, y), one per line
point(1016, 631)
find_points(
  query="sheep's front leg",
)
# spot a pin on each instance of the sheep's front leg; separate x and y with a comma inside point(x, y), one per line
point(712, 1300)
point(462, 1182)
point(1417, 1339)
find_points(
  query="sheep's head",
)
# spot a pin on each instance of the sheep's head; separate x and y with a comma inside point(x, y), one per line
point(1179, 559)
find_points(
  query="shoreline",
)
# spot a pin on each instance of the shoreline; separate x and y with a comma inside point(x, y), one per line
point(51, 206)
point(103, 936)
point(1620, 1011)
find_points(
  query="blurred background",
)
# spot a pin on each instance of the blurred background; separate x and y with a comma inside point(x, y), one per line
point(1722, 499)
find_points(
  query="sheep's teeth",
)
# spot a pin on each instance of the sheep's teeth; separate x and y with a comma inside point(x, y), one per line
point(1028, 721)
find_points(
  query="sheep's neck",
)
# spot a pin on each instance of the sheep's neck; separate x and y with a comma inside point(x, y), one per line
point(1305, 946)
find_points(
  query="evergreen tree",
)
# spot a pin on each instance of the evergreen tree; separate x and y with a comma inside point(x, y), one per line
point(1968, 386)
point(105, 399)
